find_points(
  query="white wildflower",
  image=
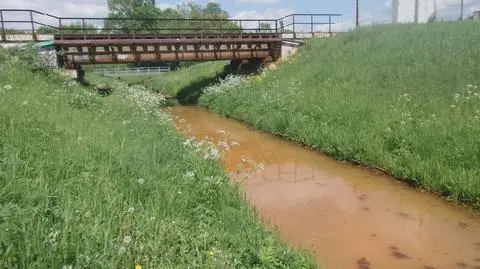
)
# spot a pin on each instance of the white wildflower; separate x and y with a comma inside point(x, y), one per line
point(122, 250)
point(8, 87)
point(190, 174)
point(213, 180)
point(187, 142)
point(212, 153)
point(52, 237)
point(127, 239)
point(231, 82)
point(141, 181)
point(261, 166)
point(469, 86)
point(131, 210)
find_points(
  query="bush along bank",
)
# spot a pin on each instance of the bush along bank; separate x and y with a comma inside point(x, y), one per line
point(403, 98)
point(106, 182)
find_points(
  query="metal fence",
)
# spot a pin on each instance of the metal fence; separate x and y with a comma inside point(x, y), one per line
point(29, 21)
point(135, 71)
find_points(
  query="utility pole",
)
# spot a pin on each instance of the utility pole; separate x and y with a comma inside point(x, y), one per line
point(461, 10)
point(358, 14)
point(417, 7)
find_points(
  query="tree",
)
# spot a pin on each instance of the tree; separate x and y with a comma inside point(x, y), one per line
point(119, 10)
point(11, 31)
point(214, 11)
point(149, 15)
point(265, 28)
point(76, 28)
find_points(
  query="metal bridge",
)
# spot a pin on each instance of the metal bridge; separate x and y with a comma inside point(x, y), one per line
point(133, 40)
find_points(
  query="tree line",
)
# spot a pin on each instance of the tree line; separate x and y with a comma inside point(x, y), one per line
point(150, 18)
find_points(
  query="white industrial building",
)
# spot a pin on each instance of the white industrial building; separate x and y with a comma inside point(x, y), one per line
point(405, 11)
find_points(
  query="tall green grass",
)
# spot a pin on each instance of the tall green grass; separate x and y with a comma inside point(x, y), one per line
point(172, 83)
point(91, 182)
point(404, 98)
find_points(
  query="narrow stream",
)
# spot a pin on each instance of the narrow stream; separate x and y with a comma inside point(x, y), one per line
point(349, 217)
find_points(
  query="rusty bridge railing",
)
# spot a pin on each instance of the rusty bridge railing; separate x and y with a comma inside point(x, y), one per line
point(31, 22)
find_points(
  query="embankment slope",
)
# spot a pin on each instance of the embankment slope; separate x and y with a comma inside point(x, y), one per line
point(404, 98)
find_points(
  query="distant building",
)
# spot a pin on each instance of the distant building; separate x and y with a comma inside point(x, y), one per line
point(420, 11)
point(476, 15)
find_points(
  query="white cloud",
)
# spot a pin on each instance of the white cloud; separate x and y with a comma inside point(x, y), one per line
point(256, 1)
point(441, 4)
point(473, 8)
point(271, 13)
point(268, 14)
point(71, 8)
point(163, 6)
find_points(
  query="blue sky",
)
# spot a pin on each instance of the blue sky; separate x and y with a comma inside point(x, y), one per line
point(371, 11)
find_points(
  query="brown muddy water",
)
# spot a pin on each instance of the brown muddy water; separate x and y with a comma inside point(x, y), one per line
point(350, 217)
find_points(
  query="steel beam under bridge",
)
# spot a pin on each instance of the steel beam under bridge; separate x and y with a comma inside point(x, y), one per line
point(96, 49)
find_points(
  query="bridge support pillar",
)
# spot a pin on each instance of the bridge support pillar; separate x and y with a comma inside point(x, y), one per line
point(246, 66)
point(80, 74)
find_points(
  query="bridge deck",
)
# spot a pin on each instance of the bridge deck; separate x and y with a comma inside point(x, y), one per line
point(121, 48)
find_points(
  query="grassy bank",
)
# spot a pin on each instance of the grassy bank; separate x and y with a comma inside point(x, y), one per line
point(183, 84)
point(404, 98)
point(92, 182)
